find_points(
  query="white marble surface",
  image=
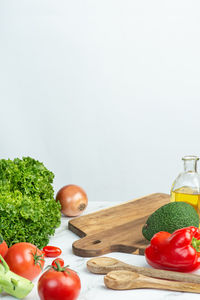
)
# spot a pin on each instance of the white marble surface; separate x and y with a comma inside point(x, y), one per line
point(92, 284)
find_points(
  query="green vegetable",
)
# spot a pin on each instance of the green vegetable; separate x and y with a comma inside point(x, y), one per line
point(28, 210)
point(170, 217)
point(12, 283)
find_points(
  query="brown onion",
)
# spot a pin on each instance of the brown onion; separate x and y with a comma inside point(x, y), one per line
point(73, 200)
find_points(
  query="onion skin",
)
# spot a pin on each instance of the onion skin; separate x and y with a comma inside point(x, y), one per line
point(73, 200)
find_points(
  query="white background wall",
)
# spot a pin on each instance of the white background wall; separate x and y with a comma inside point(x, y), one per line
point(105, 93)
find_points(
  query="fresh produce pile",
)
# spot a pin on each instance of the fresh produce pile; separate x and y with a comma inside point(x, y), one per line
point(23, 262)
point(28, 210)
point(174, 238)
point(29, 215)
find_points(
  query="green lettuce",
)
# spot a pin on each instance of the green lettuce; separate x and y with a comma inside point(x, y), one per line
point(28, 210)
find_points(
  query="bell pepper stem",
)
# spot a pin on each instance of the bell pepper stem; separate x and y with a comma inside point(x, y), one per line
point(196, 244)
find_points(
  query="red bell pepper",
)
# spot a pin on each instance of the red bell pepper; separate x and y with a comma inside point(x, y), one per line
point(179, 251)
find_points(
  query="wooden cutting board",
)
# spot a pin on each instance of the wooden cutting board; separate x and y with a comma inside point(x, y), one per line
point(115, 229)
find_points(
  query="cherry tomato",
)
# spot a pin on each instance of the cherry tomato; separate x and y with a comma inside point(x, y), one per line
point(3, 247)
point(25, 259)
point(59, 284)
point(51, 251)
point(58, 261)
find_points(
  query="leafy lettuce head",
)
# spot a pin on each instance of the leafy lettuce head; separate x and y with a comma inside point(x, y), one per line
point(28, 210)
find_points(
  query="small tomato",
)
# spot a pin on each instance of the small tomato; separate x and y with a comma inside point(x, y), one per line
point(51, 251)
point(57, 261)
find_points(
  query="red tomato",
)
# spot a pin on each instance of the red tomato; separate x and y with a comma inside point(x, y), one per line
point(3, 247)
point(51, 251)
point(59, 261)
point(25, 259)
point(60, 284)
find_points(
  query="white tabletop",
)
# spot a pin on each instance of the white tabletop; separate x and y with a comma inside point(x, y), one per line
point(92, 284)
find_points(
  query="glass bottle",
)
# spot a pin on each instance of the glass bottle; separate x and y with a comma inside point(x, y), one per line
point(186, 186)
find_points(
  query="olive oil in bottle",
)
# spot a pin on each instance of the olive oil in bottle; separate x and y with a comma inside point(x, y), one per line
point(186, 194)
point(186, 186)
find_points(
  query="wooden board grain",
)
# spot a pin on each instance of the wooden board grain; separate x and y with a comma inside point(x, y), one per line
point(115, 229)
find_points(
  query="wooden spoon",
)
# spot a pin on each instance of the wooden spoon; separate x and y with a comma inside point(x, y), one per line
point(103, 265)
point(126, 280)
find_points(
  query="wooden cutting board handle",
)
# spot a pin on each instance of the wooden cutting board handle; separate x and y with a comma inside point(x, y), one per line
point(101, 243)
point(126, 280)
